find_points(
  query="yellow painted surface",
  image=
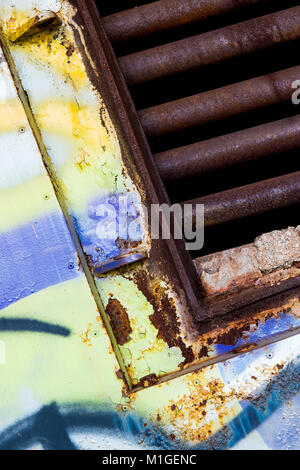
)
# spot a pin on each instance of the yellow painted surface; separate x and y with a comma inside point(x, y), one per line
point(90, 167)
point(53, 368)
point(81, 368)
point(93, 165)
point(15, 209)
point(144, 353)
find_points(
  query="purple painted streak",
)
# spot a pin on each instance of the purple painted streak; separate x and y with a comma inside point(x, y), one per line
point(35, 256)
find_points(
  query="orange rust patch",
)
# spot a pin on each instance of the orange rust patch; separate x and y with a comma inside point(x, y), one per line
point(209, 404)
point(229, 329)
point(85, 338)
point(119, 321)
point(205, 408)
point(149, 380)
point(164, 318)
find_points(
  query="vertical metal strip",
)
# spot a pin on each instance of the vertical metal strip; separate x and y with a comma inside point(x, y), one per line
point(60, 197)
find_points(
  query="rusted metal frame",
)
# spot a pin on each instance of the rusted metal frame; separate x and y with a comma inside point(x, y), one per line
point(212, 47)
point(232, 325)
point(231, 149)
point(165, 14)
point(248, 297)
point(168, 257)
point(220, 103)
point(245, 274)
point(221, 358)
point(250, 199)
point(174, 259)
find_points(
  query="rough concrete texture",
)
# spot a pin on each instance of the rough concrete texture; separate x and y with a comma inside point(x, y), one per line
point(271, 259)
point(229, 270)
point(278, 249)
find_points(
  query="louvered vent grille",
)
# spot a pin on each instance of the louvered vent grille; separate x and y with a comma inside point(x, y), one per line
point(212, 83)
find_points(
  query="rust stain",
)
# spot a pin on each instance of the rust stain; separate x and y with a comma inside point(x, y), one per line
point(209, 404)
point(165, 317)
point(125, 389)
point(85, 337)
point(148, 380)
point(232, 327)
point(119, 321)
point(231, 337)
point(204, 352)
point(200, 412)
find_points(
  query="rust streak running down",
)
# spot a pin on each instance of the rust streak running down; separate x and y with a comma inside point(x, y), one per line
point(231, 149)
point(211, 47)
point(220, 103)
point(251, 199)
point(165, 14)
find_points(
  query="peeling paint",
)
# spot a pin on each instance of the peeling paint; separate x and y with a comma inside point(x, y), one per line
point(157, 341)
point(146, 352)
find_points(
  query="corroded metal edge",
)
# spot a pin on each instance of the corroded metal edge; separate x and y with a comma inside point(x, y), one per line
point(168, 258)
point(263, 323)
point(235, 352)
point(167, 261)
point(234, 278)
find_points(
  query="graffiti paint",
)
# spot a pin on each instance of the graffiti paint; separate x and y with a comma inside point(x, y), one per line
point(61, 386)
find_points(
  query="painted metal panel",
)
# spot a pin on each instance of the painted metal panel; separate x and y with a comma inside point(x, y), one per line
point(58, 365)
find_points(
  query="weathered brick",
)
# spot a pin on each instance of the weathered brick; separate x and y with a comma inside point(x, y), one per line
point(229, 271)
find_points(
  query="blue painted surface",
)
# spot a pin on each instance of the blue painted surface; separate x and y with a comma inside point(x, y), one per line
point(35, 256)
point(114, 219)
point(272, 326)
point(53, 426)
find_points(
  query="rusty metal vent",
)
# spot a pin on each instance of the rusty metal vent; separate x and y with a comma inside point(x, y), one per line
point(202, 91)
point(212, 82)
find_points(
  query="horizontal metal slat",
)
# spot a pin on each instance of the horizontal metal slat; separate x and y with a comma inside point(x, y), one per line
point(219, 103)
point(224, 151)
point(249, 200)
point(211, 47)
point(165, 14)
